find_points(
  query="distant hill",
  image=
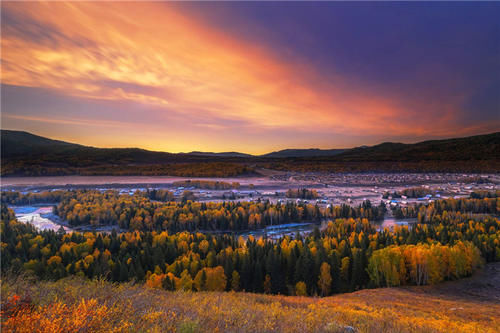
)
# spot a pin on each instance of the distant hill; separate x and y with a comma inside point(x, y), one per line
point(26, 154)
point(18, 143)
point(24, 146)
point(479, 147)
point(311, 152)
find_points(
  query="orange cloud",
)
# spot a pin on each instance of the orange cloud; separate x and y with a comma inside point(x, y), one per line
point(72, 121)
point(151, 54)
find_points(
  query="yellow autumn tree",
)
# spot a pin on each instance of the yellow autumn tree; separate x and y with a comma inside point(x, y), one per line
point(301, 289)
point(185, 282)
point(216, 279)
point(325, 279)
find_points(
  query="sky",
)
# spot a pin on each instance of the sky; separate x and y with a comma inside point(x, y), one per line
point(250, 76)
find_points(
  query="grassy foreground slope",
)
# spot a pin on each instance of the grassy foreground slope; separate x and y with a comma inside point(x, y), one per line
point(78, 305)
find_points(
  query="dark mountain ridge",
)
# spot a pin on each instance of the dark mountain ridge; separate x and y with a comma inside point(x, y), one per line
point(478, 147)
point(24, 153)
point(17, 143)
point(311, 152)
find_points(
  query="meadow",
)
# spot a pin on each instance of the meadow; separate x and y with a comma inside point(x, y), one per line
point(79, 305)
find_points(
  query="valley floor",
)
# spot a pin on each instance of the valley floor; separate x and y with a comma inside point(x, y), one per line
point(74, 304)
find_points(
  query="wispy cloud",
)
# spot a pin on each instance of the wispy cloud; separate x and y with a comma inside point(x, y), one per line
point(156, 56)
point(62, 121)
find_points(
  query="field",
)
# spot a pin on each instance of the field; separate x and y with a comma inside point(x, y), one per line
point(78, 305)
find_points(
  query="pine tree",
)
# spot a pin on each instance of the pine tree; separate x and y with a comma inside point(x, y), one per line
point(267, 284)
point(257, 277)
point(235, 281)
point(116, 271)
point(123, 272)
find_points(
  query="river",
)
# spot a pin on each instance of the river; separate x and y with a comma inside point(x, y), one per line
point(39, 216)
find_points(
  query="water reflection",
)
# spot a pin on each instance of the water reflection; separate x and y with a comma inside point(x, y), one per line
point(38, 216)
point(277, 231)
point(391, 222)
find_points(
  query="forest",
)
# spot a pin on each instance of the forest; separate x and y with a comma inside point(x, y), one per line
point(143, 211)
point(413, 192)
point(206, 184)
point(349, 254)
point(34, 168)
point(446, 208)
point(333, 165)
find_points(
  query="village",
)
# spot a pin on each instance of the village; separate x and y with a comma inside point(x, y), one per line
point(331, 189)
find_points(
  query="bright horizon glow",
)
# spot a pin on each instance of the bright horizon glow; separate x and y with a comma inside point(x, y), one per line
point(164, 77)
point(227, 151)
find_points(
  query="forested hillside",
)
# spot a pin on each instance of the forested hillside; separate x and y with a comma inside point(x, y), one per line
point(479, 147)
point(25, 154)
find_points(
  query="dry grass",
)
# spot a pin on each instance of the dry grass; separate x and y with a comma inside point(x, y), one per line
point(77, 305)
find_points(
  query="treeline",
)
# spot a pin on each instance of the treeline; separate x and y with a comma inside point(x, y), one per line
point(414, 192)
point(18, 198)
point(485, 194)
point(34, 168)
point(348, 255)
point(421, 166)
point(302, 193)
point(138, 212)
point(153, 210)
point(207, 184)
point(160, 195)
point(432, 212)
point(194, 169)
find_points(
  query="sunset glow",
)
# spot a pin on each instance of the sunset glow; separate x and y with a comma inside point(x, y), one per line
point(166, 77)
